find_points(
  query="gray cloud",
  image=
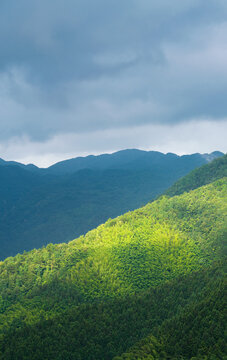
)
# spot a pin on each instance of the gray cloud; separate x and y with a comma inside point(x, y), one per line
point(82, 66)
point(58, 41)
point(185, 138)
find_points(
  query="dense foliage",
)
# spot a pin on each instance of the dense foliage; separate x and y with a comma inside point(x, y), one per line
point(153, 277)
point(185, 315)
point(197, 331)
point(38, 208)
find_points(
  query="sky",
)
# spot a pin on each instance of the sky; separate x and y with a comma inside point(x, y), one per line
point(81, 77)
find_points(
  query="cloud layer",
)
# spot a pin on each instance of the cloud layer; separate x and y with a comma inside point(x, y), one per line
point(89, 68)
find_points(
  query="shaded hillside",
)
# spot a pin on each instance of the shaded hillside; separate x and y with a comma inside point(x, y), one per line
point(38, 209)
point(98, 295)
point(15, 184)
point(196, 332)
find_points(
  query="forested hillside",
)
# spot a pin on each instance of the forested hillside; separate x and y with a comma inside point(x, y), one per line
point(143, 283)
point(196, 332)
point(41, 206)
point(193, 307)
point(203, 175)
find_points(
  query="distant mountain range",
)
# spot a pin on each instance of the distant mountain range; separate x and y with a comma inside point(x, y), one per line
point(130, 159)
point(68, 199)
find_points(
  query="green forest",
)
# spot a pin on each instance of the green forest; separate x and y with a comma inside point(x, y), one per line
point(149, 284)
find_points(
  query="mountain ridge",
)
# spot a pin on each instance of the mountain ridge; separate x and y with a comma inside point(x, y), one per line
point(102, 161)
point(126, 157)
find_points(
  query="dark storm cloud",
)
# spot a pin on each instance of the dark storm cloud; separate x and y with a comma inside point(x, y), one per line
point(81, 66)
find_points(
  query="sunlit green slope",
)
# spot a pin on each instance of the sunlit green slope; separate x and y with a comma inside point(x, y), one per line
point(137, 250)
point(141, 249)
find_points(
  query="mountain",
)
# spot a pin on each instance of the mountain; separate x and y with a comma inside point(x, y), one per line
point(129, 159)
point(40, 207)
point(133, 159)
point(15, 184)
point(30, 167)
point(148, 284)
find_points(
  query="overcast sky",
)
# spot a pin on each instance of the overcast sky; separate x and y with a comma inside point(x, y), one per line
point(82, 77)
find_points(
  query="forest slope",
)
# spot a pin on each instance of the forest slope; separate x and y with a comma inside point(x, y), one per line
point(165, 241)
point(196, 332)
point(103, 330)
